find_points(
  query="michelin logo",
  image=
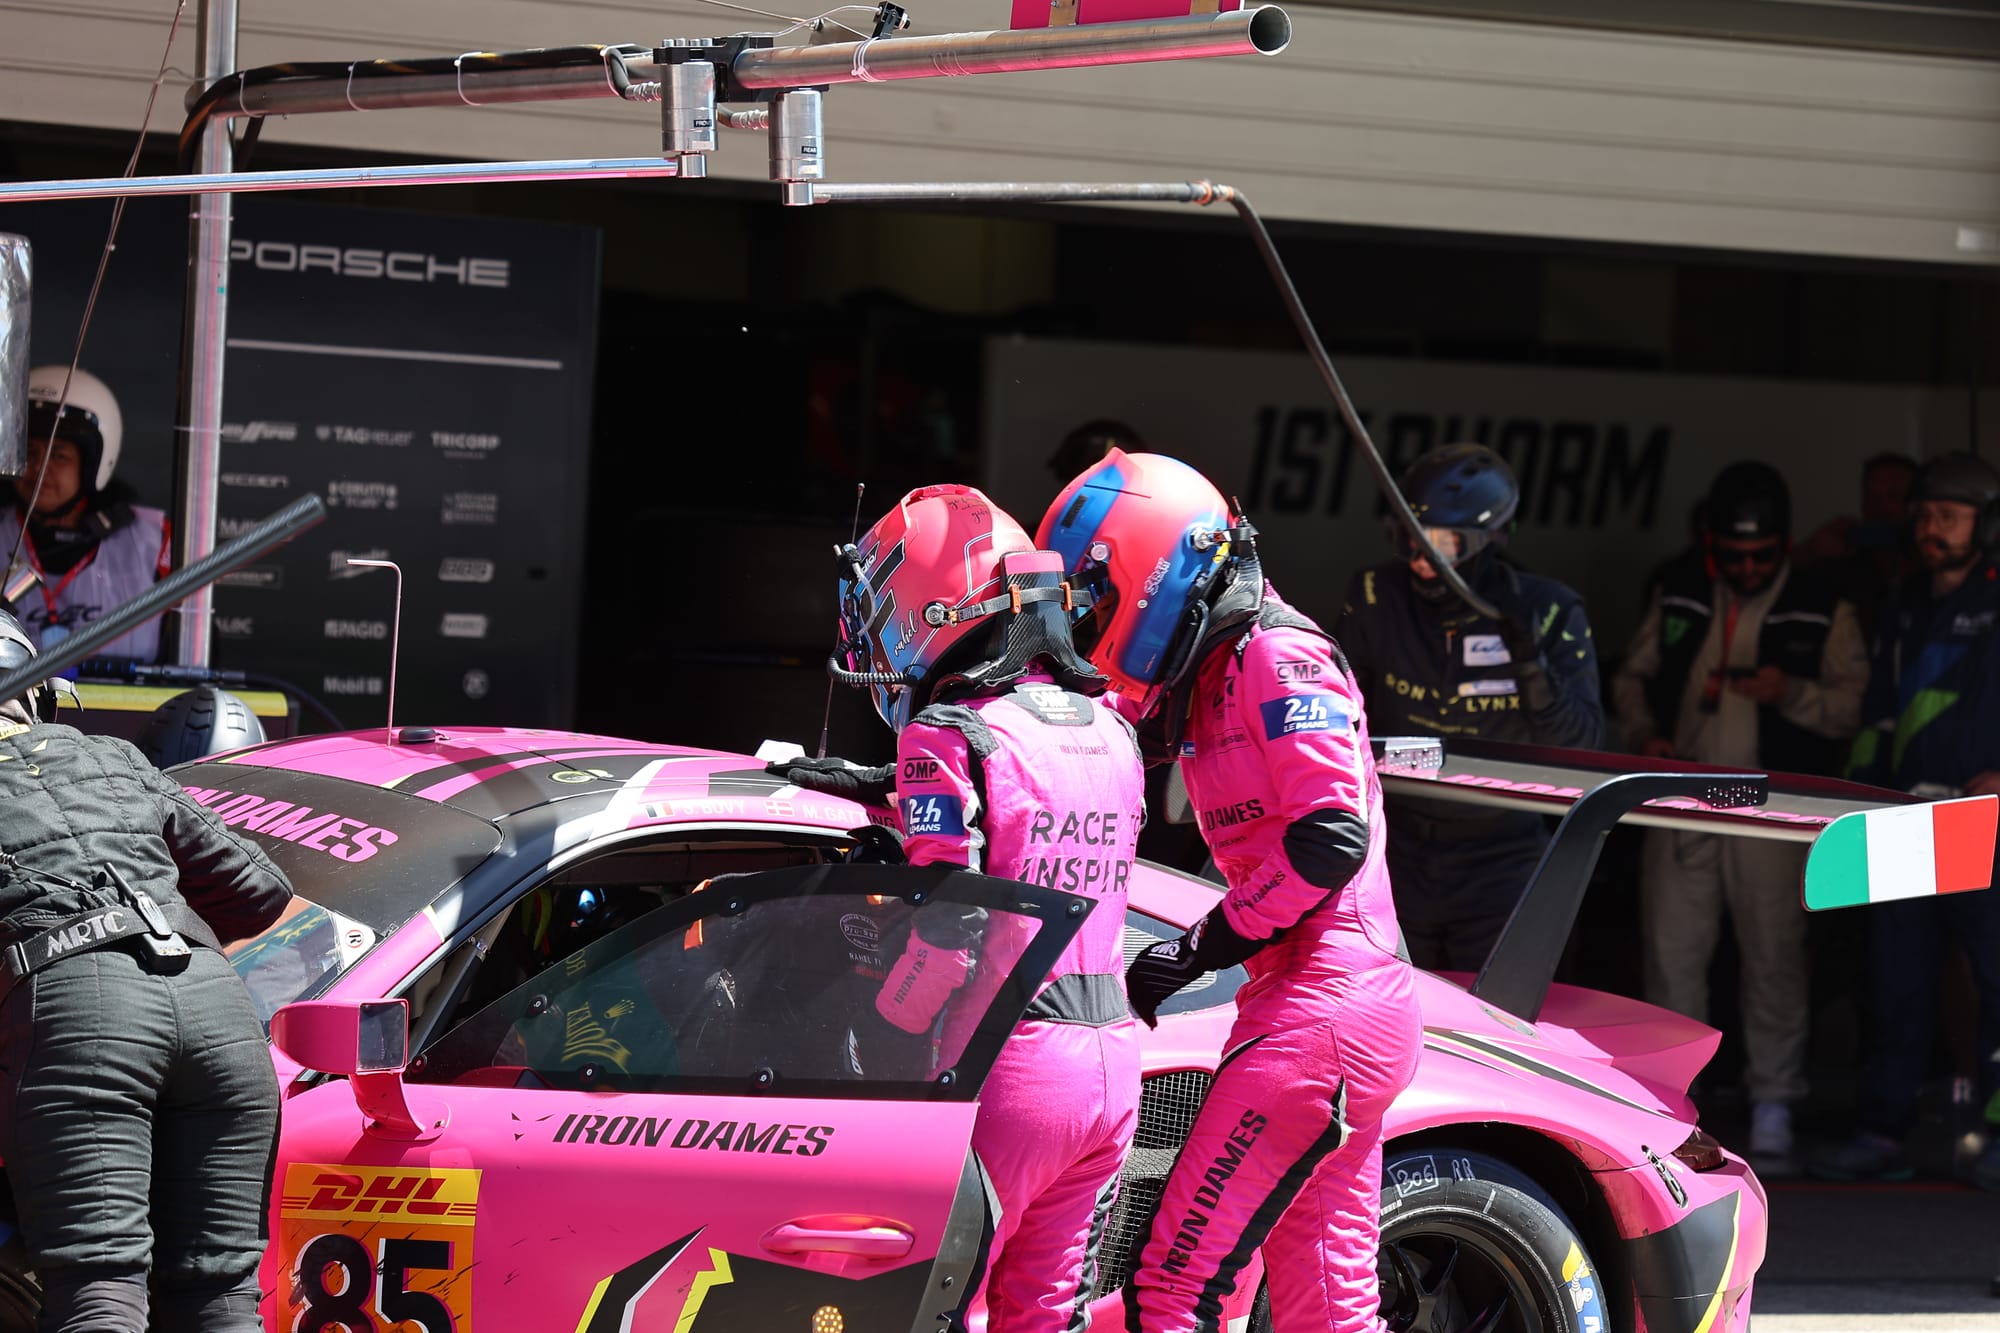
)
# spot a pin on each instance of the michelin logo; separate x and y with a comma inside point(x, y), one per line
point(463, 625)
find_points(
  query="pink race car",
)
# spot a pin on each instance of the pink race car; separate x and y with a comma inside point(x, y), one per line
point(546, 1070)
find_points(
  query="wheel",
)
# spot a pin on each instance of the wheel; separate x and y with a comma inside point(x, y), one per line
point(1471, 1245)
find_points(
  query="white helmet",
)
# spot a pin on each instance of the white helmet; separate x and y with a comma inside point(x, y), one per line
point(91, 419)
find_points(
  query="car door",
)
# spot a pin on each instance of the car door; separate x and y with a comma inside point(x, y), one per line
point(698, 1122)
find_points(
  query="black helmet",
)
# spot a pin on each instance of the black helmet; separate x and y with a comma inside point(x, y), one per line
point(1466, 487)
point(1966, 478)
point(197, 723)
point(1748, 500)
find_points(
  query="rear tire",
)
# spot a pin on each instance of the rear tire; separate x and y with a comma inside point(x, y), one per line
point(1472, 1245)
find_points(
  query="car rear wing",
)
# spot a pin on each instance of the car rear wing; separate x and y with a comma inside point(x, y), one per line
point(1864, 844)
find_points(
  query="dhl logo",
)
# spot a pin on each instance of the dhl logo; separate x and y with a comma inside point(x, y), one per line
point(444, 1196)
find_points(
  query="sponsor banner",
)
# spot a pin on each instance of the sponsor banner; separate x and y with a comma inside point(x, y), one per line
point(428, 376)
point(1610, 463)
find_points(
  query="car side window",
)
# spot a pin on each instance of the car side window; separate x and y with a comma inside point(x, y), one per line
point(582, 903)
point(737, 992)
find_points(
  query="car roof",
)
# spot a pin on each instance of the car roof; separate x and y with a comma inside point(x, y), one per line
point(501, 773)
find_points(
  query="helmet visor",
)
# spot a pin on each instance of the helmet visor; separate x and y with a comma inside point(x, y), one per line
point(1456, 545)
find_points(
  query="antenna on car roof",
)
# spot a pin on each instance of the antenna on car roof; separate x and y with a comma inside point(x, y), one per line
point(395, 636)
point(853, 535)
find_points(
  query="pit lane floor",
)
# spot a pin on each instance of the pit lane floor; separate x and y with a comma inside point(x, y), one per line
point(1917, 1258)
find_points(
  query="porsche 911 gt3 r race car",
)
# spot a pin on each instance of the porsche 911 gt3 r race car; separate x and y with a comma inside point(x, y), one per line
point(547, 1067)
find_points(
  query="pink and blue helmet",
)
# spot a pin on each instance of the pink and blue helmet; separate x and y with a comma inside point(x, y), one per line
point(1146, 535)
point(915, 586)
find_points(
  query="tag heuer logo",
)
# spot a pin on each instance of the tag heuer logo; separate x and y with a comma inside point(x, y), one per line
point(461, 569)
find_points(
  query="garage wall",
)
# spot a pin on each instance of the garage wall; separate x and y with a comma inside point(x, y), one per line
point(1371, 117)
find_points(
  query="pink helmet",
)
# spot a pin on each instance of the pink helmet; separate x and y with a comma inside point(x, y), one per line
point(1145, 535)
point(918, 586)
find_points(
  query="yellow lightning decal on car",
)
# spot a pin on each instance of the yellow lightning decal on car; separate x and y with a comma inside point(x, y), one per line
point(1722, 1278)
point(716, 1275)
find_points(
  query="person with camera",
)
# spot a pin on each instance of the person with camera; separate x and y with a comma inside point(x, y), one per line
point(1748, 663)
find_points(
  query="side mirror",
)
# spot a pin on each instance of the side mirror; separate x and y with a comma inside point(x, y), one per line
point(368, 1041)
point(345, 1036)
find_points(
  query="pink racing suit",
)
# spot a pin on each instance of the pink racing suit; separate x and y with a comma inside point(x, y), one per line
point(1287, 1150)
point(1042, 785)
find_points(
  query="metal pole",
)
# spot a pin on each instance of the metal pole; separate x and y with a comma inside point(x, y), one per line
point(1262, 31)
point(199, 449)
point(472, 87)
point(339, 178)
point(1240, 32)
point(1170, 192)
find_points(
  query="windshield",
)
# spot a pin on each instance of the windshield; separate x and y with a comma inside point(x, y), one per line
point(298, 955)
point(362, 861)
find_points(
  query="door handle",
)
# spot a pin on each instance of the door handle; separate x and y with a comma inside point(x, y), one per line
point(862, 1237)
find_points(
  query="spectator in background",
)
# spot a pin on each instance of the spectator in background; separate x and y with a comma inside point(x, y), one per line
point(1867, 557)
point(1676, 566)
point(89, 547)
point(1751, 664)
point(1933, 728)
point(1429, 665)
point(1081, 449)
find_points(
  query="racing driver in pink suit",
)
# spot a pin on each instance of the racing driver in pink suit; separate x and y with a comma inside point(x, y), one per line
point(1259, 705)
point(1007, 765)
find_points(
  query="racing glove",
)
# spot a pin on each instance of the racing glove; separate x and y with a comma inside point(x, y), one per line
point(837, 777)
point(1160, 970)
point(920, 983)
point(930, 969)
